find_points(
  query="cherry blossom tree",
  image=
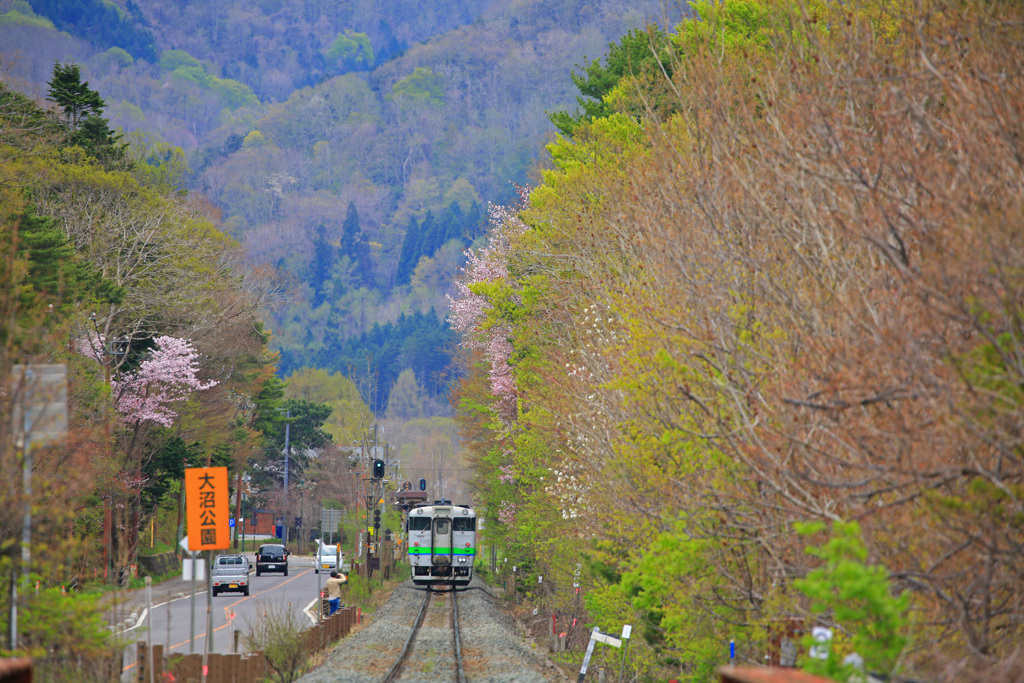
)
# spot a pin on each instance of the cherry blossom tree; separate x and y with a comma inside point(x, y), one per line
point(146, 397)
point(472, 312)
point(477, 316)
point(167, 377)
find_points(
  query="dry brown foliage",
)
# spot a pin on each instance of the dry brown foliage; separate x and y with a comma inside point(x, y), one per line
point(819, 269)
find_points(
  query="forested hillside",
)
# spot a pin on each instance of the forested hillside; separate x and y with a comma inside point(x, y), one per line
point(749, 358)
point(354, 147)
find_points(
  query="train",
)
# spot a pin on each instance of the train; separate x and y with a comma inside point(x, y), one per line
point(441, 540)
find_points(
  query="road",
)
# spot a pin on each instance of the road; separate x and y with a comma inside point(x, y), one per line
point(169, 623)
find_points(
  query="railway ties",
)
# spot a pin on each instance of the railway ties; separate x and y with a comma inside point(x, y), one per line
point(432, 652)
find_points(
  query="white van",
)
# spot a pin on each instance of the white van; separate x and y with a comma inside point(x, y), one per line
point(327, 557)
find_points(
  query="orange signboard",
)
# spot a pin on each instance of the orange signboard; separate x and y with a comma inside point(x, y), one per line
point(206, 504)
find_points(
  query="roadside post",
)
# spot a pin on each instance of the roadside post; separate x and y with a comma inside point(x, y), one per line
point(595, 637)
point(319, 582)
point(149, 624)
point(192, 570)
point(39, 417)
point(627, 631)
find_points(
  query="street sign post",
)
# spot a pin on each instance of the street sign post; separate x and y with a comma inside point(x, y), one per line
point(329, 521)
point(40, 417)
point(191, 574)
point(207, 509)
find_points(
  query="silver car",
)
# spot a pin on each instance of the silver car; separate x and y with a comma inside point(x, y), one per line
point(230, 573)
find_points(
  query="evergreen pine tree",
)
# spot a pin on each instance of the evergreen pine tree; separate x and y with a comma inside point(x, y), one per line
point(409, 256)
point(268, 419)
point(322, 264)
point(452, 222)
point(474, 222)
point(54, 270)
point(354, 245)
point(48, 252)
point(433, 232)
point(82, 110)
point(73, 96)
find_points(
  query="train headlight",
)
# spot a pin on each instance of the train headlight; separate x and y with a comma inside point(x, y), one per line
point(462, 560)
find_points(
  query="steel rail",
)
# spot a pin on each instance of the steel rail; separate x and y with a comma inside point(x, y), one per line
point(460, 676)
point(393, 671)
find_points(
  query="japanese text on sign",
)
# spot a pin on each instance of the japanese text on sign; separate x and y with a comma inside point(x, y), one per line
point(206, 502)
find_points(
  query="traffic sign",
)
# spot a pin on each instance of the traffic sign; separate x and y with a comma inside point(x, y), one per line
point(39, 409)
point(206, 505)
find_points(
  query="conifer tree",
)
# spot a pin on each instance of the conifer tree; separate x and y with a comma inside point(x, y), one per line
point(322, 264)
point(55, 274)
point(75, 99)
point(453, 222)
point(353, 245)
point(82, 110)
point(409, 256)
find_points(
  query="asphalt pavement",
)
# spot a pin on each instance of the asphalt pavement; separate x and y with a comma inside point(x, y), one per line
point(124, 608)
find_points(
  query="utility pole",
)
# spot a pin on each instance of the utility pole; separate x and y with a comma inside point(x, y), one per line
point(26, 524)
point(287, 450)
point(287, 457)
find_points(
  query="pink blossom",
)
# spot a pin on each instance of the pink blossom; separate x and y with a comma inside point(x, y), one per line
point(470, 308)
point(508, 475)
point(507, 513)
point(168, 376)
point(91, 346)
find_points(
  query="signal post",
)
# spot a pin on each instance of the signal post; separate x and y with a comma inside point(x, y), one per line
point(374, 500)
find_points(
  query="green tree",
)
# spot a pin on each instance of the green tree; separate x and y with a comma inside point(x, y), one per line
point(74, 97)
point(307, 419)
point(82, 110)
point(857, 600)
point(422, 85)
point(322, 265)
point(639, 52)
point(405, 401)
point(56, 275)
point(166, 466)
point(269, 416)
point(351, 51)
point(353, 245)
point(349, 413)
point(410, 253)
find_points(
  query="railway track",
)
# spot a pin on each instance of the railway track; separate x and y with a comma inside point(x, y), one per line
point(427, 656)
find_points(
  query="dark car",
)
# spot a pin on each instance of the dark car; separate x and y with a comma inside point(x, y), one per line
point(272, 558)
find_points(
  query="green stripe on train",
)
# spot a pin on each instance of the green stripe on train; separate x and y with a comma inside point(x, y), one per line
point(442, 551)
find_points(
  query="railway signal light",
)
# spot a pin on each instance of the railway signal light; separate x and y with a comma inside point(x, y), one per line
point(378, 469)
point(423, 484)
point(376, 519)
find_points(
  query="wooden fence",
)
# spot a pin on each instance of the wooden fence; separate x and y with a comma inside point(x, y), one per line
point(236, 668)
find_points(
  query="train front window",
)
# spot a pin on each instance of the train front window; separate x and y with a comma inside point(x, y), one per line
point(441, 526)
point(464, 524)
point(419, 524)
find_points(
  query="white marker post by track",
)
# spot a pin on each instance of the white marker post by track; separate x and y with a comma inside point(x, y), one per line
point(596, 637)
point(627, 631)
